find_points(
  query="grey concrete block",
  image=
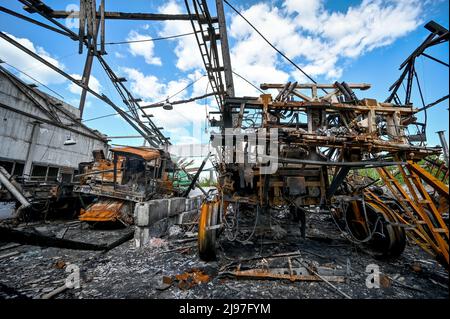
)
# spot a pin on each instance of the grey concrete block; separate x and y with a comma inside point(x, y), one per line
point(141, 236)
point(198, 201)
point(177, 205)
point(151, 211)
point(189, 204)
point(141, 214)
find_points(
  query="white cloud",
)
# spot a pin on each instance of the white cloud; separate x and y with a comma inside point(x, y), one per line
point(119, 55)
point(29, 65)
point(186, 50)
point(319, 40)
point(144, 49)
point(94, 84)
point(182, 123)
point(144, 86)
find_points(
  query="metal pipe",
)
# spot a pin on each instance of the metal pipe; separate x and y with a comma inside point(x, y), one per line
point(4, 180)
point(98, 172)
point(444, 145)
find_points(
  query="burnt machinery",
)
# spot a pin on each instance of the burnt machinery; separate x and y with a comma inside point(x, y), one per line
point(279, 153)
point(131, 175)
point(313, 146)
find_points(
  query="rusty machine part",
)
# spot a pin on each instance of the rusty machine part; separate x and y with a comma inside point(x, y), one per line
point(418, 209)
point(320, 141)
point(207, 229)
point(134, 174)
point(301, 147)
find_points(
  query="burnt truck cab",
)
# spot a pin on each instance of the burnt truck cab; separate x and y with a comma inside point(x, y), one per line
point(130, 175)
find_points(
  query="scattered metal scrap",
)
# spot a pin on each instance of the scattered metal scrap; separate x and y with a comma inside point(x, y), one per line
point(188, 279)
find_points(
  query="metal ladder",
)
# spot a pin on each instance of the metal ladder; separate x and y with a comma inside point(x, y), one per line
point(428, 229)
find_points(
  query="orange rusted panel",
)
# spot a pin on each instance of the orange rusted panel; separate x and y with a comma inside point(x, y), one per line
point(104, 210)
point(144, 152)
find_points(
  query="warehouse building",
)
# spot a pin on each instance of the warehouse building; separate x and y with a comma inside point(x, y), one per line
point(41, 137)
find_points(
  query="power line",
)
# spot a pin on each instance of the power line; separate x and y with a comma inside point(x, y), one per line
point(154, 39)
point(248, 82)
point(151, 40)
point(20, 71)
point(269, 43)
point(156, 103)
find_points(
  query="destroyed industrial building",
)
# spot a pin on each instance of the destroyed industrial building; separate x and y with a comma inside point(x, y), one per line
point(316, 187)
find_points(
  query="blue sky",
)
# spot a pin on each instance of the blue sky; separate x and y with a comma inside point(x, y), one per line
point(353, 41)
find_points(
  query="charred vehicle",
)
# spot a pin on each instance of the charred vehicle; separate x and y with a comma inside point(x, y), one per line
point(131, 175)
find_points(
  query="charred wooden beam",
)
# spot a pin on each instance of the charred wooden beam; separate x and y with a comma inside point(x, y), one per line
point(60, 14)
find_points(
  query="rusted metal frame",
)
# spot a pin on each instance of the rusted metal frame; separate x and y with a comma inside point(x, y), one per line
point(216, 68)
point(331, 107)
point(419, 186)
point(441, 39)
point(92, 50)
point(74, 36)
point(206, 58)
point(130, 101)
point(228, 71)
point(30, 4)
point(409, 81)
point(434, 59)
point(437, 215)
point(407, 71)
point(127, 118)
point(368, 143)
point(418, 51)
point(115, 157)
point(264, 274)
point(102, 27)
point(443, 245)
point(111, 15)
point(92, 24)
point(429, 179)
point(416, 232)
point(303, 96)
point(394, 88)
point(361, 86)
point(337, 180)
point(434, 103)
point(38, 23)
point(403, 197)
point(85, 79)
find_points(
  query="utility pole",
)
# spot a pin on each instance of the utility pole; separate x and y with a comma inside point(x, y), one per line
point(225, 49)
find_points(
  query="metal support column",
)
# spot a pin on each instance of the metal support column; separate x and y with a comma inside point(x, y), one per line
point(85, 79)
point(229, 85)
point(444, 145)
point(31, 149)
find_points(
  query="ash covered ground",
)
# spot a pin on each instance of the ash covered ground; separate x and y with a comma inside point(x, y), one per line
point(151, 272)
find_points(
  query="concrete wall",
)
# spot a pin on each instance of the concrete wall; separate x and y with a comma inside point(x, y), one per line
point(16, 130)
point(153, 218)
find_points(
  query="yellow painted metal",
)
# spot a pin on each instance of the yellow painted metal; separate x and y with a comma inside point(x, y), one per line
point(207, 236)
point(430, 231)
point(431, 180)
